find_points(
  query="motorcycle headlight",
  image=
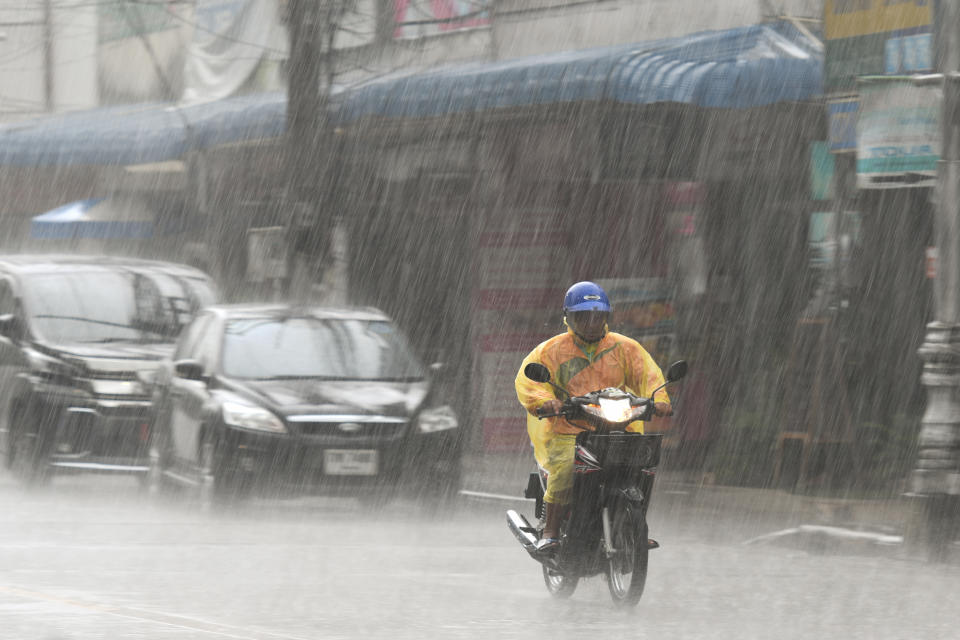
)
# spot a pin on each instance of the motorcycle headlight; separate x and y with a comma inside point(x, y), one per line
point(437, 419)
point(615, 410)
point(250, 417)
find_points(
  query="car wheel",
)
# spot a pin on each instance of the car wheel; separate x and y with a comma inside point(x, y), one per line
point(440, 490)
point(220, 482)
point(153, 481)
point(27, 456)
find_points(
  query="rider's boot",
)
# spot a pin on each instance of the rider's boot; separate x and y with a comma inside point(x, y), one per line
point(551, 528)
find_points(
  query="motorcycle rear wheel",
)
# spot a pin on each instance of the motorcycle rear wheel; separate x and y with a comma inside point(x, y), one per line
point(559, 585)
point(627, 568)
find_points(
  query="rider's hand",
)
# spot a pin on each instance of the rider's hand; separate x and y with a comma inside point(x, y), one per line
point(662, 409)
point(550, 407)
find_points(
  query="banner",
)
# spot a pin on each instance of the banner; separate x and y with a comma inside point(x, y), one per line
point(140, 49)
point(230, 40)
point(418, 19)
point(898, 134)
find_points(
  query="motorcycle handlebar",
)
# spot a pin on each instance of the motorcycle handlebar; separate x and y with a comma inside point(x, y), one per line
point(540, 413)
point(565, 411)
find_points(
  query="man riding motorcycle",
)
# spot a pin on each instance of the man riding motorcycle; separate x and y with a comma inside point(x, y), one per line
point(586, 358)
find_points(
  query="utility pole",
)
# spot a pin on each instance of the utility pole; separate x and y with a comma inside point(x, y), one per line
point(48, 62)
point(306, 111)
point(936, 476)
point(315, 165)
point(305, 108)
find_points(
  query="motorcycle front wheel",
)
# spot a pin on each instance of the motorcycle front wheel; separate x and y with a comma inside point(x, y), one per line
point(559, 585)
point(627, 567)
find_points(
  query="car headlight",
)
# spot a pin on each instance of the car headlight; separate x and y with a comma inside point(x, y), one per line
point(437, 419)
point(51, 369)
point(250, 417)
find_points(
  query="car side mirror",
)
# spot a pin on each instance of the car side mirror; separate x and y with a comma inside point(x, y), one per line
point(537, 372)
point(189, 370)
point(10, 326)
point(677, 371)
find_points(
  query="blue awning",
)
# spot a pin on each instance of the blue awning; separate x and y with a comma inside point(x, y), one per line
point(736, 68)
point(140, 133)
point(101, 218)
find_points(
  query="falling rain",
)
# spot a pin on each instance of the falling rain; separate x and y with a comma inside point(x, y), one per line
point(269, 270)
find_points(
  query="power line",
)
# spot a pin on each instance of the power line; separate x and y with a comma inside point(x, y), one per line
point(200, 27)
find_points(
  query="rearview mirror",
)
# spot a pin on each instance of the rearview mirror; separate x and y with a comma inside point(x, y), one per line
point(9, 326)
point(537, 372)
point(677, 370)
point(189, 370)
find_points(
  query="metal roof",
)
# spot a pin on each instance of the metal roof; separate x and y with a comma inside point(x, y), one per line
point(140, 133)
point(57, 262)
point(258, 310)
point(736, 68)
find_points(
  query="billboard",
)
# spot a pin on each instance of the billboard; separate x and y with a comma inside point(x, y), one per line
point(875, 37)
point(898, 134)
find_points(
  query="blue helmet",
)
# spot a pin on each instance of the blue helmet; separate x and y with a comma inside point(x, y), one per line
point(586, 296)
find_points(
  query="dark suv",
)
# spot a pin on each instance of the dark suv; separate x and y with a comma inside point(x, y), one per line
point(81, 338)
point(301, 399)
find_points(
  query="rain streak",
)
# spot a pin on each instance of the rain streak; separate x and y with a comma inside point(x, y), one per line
point(405, 319)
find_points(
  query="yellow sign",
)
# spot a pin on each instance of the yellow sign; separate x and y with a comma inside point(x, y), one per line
point(851, 18)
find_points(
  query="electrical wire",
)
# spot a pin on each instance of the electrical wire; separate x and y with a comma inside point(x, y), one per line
point(199, 27)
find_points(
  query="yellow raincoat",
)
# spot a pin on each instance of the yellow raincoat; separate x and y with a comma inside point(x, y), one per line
point(579, 367)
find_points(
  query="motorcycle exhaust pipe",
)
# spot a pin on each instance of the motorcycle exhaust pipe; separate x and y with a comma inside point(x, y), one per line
point(522, 531)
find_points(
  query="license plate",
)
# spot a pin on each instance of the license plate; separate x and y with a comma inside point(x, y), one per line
point(350, 462)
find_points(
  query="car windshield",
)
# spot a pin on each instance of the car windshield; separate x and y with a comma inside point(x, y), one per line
point(112, 306)
point(306, 347)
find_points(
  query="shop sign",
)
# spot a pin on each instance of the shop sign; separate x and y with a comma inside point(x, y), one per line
point(876, 37)
point(843, 125)
point(266, 254)
point(908, 54)
point(898, 134)
point(419, 19)
point(643, 309)
point(821, 172)
point(931, 262)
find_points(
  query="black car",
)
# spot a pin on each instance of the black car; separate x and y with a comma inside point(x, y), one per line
point(300, 399)
point(80, 341)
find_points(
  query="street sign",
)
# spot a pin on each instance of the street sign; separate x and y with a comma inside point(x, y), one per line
point(843, 124)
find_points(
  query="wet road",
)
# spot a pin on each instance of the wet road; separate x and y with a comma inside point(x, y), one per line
point(93, 558)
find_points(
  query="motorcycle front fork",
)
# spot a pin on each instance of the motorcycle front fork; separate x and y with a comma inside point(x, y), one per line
point(607, 533)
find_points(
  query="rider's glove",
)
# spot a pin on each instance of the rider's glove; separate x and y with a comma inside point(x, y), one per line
point(549, 408)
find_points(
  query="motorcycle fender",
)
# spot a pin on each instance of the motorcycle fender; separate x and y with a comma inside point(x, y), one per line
point(534, 488)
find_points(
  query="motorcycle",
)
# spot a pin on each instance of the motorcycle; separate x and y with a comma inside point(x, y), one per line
point(604, 530)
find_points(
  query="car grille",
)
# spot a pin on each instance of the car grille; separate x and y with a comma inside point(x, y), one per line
point(111, 433)
point(117, 385)
point(351, 430)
